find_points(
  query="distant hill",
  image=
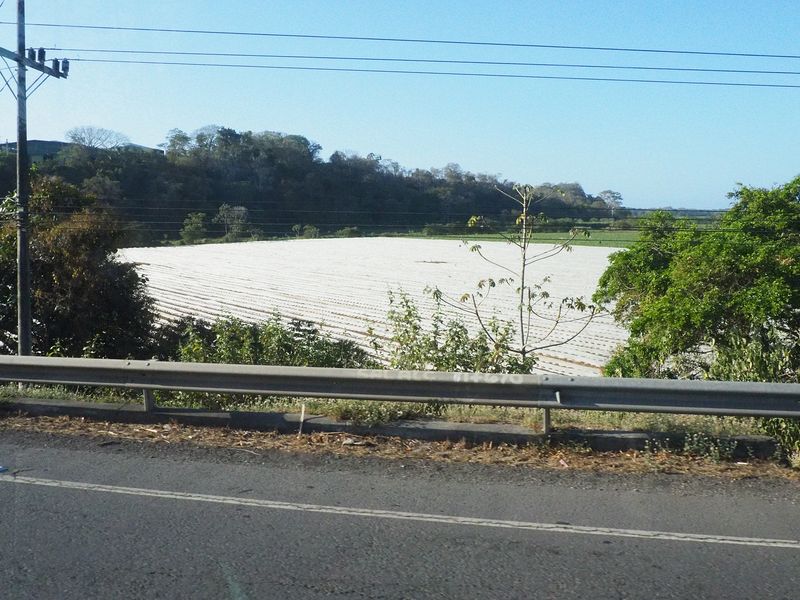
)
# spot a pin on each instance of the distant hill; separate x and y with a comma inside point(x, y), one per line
point(41, 150)
point(281, 184)
point(38, 150)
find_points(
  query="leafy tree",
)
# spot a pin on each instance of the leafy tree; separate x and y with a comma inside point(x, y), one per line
point(177, 144)
point(234, 219)
point(194, 228)
point(103, 188)
point(718, 302)
point(84, 302)
point(310, 231)
point(690, 295)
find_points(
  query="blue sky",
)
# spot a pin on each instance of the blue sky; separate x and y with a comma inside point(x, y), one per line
point(659, 145)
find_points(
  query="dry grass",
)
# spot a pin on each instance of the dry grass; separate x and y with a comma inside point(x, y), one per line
point(543, 457)
point(373, 413)
point(606, 420)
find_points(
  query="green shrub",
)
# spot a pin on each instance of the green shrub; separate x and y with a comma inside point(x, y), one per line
point(446, 345)
point(298, 343)
point(348, 232)
point(310, 231)
point(234, 341)
point(434, 229)
point(194, 228)
point(719, 302)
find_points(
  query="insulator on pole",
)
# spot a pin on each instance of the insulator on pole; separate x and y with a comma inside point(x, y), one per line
point(41, 55)
point(31, 54)
point(55, 65)
point(65, 67)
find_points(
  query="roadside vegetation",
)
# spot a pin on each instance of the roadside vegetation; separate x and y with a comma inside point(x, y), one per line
point(720, 303)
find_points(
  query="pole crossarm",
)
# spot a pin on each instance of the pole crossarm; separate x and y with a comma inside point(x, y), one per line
point(525, 391)
point(32, 64)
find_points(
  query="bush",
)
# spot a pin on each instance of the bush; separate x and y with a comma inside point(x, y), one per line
point(298, 343)
point(348, 232)
point(310, 231)
point(434, 229)
point(194, 228)
point(233, 341)
point(445, 345)
point(84, 300)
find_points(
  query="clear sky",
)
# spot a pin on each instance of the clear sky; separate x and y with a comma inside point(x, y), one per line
point(657, 144)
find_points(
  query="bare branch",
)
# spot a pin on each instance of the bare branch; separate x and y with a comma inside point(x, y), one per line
point(491, 262)
point(480, 322)
point(556, 322)
point(569, 339)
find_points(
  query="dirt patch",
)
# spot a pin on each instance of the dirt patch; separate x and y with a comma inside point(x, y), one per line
point(561, 458)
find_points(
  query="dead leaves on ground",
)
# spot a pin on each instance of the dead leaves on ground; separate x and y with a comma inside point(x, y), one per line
point(561, 458)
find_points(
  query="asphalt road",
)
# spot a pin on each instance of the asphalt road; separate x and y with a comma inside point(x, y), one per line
point(131, 520)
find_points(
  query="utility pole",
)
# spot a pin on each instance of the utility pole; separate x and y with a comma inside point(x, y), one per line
point(23, 192)
point(35, 61)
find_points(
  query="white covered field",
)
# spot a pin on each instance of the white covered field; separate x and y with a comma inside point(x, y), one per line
point(343, 285)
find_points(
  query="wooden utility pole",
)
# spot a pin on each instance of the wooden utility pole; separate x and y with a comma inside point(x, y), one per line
point(23, 193)
point(35, 61)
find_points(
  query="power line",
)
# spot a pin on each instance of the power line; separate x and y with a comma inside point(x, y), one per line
point(282, 225)
point(557, 209)
point(410, 40)
point(426, 61)
point(141, 211)
point(441, 73)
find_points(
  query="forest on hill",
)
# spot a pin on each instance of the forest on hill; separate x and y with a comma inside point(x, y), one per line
point(280, 185)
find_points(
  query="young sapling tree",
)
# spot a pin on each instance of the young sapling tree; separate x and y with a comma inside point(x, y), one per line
point(538, 320)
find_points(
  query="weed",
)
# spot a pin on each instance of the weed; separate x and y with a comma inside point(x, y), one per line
point(794, 460)
point(715, 449)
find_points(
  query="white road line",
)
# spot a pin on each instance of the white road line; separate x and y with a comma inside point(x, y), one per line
point(407, 516)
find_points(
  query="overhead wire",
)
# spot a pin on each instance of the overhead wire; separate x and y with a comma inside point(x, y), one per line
point(623, 224)
point(6, 82)
point(442, 73)
point(424, 61)
point(411, 40)
point(445, 73)
point(705, 214)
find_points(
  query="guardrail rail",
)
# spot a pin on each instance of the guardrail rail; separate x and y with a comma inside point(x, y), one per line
point(527, 391)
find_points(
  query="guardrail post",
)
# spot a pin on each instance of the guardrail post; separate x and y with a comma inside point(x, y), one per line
point(149, 401)
point(547, 425)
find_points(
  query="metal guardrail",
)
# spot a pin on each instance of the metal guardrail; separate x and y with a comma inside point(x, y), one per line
point(529, 391)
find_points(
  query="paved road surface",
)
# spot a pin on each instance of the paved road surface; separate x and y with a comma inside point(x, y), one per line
point(130, 520)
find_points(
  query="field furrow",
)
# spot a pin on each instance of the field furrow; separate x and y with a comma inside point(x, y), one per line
point(343, 286)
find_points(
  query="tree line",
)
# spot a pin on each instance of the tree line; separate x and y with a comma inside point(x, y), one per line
point(271, 184)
